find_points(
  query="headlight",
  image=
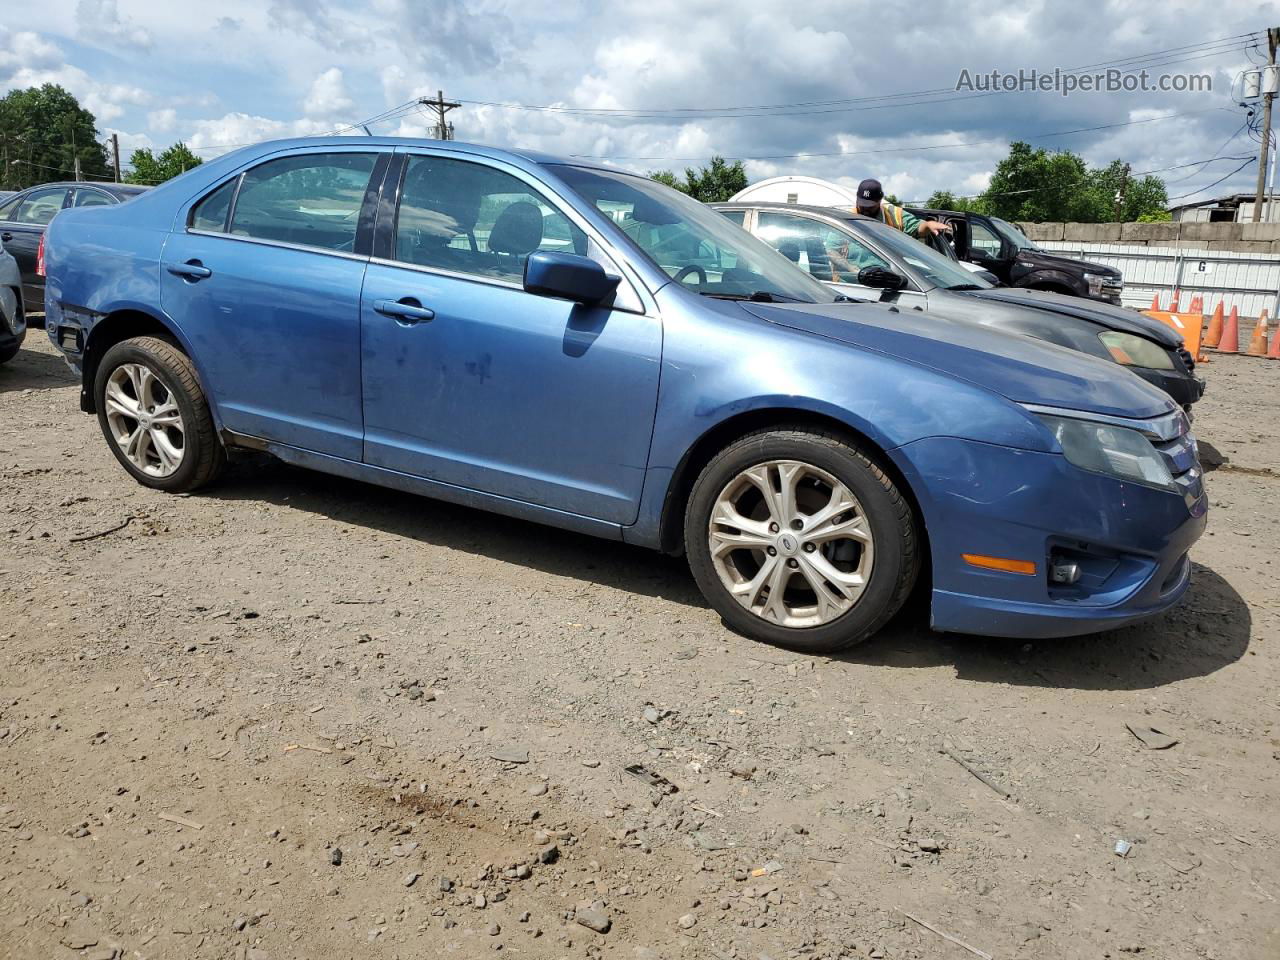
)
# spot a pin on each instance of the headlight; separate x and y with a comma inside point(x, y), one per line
point(1094, 280)
point(1111, 450)
point(1134, 351)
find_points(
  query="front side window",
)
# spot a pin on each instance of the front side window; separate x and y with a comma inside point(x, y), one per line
point(311, 200)
point(983, 240)
point(825, 252)
point(926, 266)
point(40, 206)
point(690, 242)
point(465, 217)
point(1013, 235)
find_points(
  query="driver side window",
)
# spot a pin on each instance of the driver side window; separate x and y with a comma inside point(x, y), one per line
point(468, 218)
point(825, 252)
point(983, 242)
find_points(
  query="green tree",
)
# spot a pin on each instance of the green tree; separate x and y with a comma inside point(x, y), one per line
point(1038, 185)
point(946, 200)
point(152, 169)
point(714, 183)
point(43, 132)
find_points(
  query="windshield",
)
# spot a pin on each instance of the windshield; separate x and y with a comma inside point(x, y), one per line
point(692, 243)
point(1013, 234)
point(928, 267)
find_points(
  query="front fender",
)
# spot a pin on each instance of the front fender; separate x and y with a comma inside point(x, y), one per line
point(721, 362)
point(1058, 278)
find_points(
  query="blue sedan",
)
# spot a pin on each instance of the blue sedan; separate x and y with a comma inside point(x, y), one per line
point(579, 346)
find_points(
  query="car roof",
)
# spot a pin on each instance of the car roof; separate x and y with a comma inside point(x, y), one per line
point(461, 146)
point(840, 213)
point(121, 189)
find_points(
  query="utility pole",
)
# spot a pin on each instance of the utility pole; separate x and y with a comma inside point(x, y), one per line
point(444, 129)
point(1124, 186)
point(1268, 84)
point(115, 155)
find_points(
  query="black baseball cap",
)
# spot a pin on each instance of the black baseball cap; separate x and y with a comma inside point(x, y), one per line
point(870, 193)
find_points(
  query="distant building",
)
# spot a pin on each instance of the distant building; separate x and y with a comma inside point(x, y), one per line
point(807, 190)
point(1236, 208)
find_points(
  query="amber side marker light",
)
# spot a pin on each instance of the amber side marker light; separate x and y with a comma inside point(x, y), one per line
point(1024, 567)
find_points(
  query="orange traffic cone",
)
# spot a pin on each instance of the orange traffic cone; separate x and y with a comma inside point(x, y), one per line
point(1173, 304)
point(1258, 342)
point(1197, 305)
point(1155, 301)
point(1274, 352)
point(1214, 336)
point(1230, 342)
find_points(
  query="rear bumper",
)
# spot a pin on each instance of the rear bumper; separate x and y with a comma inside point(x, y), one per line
point(1132, 541)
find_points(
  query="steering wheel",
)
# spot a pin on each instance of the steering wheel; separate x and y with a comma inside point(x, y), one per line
point(688, 271)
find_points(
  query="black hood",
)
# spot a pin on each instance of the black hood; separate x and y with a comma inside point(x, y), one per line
point(1103, 314)
point(1044, 258)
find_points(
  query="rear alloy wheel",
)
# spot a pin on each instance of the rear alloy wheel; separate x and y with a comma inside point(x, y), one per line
point(155, 416)
point(797, 539)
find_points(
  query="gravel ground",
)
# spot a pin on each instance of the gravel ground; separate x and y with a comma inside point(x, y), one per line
point(299, 717)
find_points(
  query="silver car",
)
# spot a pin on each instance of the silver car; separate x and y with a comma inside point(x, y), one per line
point(13, 325)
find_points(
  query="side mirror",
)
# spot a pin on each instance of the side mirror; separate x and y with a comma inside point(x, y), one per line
point(568, 276)
point(881, 278)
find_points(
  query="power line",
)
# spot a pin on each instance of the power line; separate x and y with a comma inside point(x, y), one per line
point(936, 95)
point(911, 149)
point(1216, 182)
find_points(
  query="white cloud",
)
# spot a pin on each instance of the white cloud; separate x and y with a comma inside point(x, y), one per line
point(212, 137)
point(100, 22)
point(162, 121)
point(29, 60)
point(328, 96)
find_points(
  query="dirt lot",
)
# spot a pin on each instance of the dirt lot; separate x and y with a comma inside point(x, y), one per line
point(198, 711)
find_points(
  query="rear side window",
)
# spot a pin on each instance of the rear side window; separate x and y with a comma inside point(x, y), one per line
point(211, 212)
point(40, 207)
point(8, 207)
point(737, 216)
point(312, 200)
point(462, 216)
point(93, 198)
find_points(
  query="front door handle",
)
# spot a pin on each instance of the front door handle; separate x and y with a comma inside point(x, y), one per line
point(405, 310)
point(191, 270)
point(6, 236)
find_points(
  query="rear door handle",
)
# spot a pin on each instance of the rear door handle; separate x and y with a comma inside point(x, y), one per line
point(191, 270)
point(6, 236)
point(405, 310)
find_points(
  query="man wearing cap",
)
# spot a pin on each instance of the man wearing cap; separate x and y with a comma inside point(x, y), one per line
point(871, 203)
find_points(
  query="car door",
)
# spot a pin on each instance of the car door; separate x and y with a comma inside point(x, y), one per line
point(264, 279)
point(23, 225)
point(470, 380)
point(831, 255)
point(987, 249)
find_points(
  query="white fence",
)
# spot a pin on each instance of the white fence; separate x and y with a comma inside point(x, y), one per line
point(1250, 282)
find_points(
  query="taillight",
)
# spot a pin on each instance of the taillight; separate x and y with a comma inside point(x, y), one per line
point(40, 257)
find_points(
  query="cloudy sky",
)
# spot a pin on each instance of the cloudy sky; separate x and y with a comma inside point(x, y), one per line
point(661, 84)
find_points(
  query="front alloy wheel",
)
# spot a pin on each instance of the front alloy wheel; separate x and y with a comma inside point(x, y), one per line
point(791, 543)
point(798, 538)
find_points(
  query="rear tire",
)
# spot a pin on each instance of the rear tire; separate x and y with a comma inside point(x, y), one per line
point(799, 539)
point(155, 417)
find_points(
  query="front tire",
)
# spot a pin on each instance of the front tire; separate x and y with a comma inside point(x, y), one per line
point(800, 540)
point(155, 417)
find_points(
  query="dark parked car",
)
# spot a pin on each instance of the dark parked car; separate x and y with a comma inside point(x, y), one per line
point(24, 216)
point(869, 260)
point(1002, 248)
